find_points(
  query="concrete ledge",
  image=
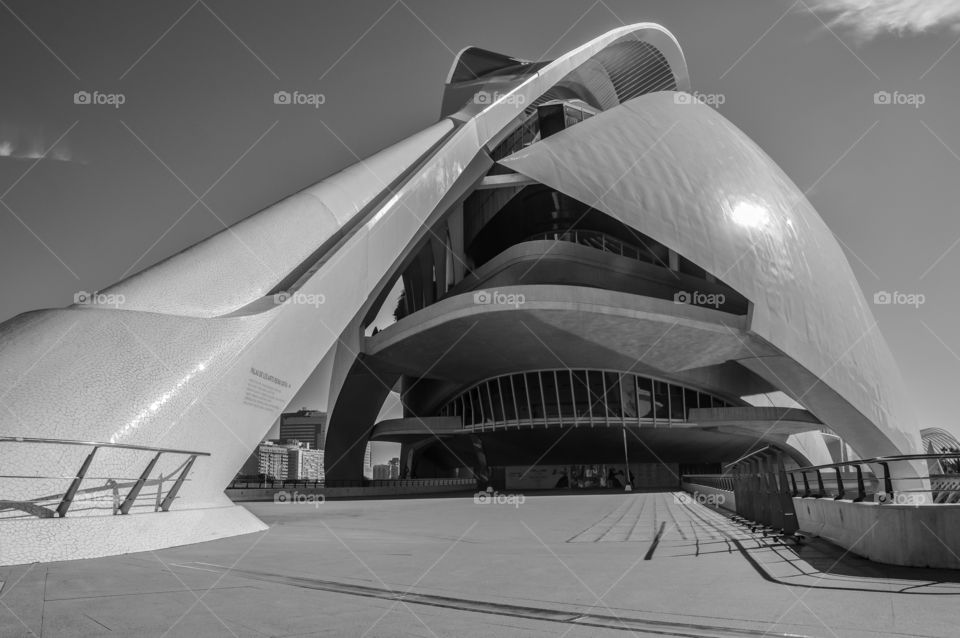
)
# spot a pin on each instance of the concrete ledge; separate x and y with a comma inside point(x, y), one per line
point(910, 535)
point(32, 540)
point(241, 495)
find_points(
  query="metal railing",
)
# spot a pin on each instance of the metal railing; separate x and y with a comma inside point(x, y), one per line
point(716, 481)
point(409, 482)
point(600, 241)
point(364, 482)
point(861, 479)
point(123, 507)
point(268, 483)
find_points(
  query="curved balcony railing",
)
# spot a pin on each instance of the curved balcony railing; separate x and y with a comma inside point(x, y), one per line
point(855, 480)
point(883, 486)
point(575, 397)
point(600, 241)
point(121, 506)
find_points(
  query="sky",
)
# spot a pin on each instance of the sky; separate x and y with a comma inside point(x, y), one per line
point(856, 100)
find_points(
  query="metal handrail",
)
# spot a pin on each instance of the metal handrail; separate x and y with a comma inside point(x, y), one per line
point(882, 461)
point(124, 446)
point(124, 507)
point(747, 456)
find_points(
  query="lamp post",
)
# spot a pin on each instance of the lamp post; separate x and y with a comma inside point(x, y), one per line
point(626, 459)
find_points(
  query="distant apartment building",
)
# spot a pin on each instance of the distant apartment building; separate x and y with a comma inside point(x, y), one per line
point(394, 465)
point(268, 460)
point(307, 426)
point(381, 472)
point(304, 464)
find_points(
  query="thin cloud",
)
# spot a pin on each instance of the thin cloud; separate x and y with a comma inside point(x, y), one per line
point(866, 19)
point(22, 143)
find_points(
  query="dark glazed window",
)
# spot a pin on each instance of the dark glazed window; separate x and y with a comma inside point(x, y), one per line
point(661, 401)
point(645, 395)
point(536, 394)
point(628, 395)
point(676, 403)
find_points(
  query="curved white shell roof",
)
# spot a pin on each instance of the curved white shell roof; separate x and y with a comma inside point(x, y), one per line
point(679, 172)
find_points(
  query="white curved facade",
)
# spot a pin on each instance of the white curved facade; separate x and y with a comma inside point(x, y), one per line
point(202, 357)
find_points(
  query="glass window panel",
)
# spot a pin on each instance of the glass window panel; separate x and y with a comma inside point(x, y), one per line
point(645, 398)
point(536, 394)
point(506, 391)
point(628, 395)
point(488, 410)
point(612, 397)
point(660, 400)
point(477, 416)
point(549, 383)
point(676, 402)
point(520, 391)
point(595, 387)
point(499, 402)
point(564, 381)
point(581, 392)
point(690, 397)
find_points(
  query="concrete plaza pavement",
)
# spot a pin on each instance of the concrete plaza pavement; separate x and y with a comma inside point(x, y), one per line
point(607, 564)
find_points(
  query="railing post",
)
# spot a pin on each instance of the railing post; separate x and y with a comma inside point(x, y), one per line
point(887, 481)
point(793, 480)
point(75, 485)
point(822, 491)
point(135, 490)
point(861, 488)
point(840, 490)
point(172, 494)
point(806, 485)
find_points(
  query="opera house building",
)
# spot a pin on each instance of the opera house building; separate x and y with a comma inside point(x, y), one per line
point(594, 275)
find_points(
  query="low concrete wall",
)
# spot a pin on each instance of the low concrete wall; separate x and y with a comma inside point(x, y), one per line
point(728, 502)
point(913, 535)
point(240, 495)
point(31, 540)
